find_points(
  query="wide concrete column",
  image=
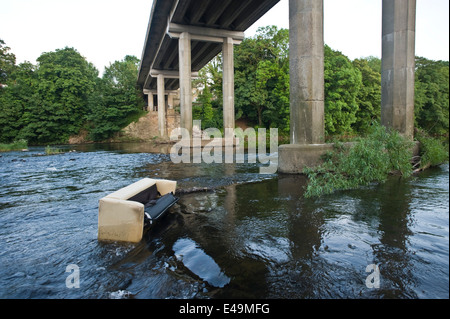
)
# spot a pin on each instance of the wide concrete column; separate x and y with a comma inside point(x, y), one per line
point(398, 64)
point(307, 88)
point(307, 93)
point(161, 106)
point(184, 46)
point(228, 83)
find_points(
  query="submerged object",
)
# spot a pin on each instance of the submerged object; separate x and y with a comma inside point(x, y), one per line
point(123, 214)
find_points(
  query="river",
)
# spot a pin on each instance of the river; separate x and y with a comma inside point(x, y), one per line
point(254, 236)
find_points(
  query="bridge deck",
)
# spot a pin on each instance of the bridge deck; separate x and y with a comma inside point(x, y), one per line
point(161, 49)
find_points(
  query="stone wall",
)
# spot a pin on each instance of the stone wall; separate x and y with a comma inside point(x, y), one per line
point(146, 129)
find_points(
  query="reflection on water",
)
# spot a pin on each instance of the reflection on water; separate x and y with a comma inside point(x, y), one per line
point(195, 259)
point(253, 236)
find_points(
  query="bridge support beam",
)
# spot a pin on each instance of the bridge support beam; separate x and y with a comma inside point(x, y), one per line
point(185, 34)
point(150, 103)
point(398, 64)
point(307, 92)
point(228, 84)
point(161, 106)
point(184, 47)
point(307, 87)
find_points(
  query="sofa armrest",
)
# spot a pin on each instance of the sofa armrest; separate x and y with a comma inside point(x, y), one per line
point(120, 220)
point(166, 186)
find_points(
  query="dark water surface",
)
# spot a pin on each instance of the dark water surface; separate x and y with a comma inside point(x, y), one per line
point(253, 237)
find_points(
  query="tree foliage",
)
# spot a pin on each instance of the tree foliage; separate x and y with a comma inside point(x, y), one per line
point(342, 85)
point(65, 82)
point(63, 93)
point(117, 100)
point(369, 95)
point(432, 96)
point(7, 62)
point(262, 78)
point(48, 102)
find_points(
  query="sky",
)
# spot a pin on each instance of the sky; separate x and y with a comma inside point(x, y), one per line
point(104, 31)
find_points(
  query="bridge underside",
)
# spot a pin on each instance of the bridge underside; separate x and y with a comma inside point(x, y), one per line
point(184, 35)
point(210, 18)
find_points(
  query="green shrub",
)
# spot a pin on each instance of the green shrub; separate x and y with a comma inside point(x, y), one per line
point(15, 146)
point(369, 159)
point(432, 151)
point(52, 150)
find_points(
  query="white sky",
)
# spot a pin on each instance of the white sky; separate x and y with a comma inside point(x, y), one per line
point(104, 31)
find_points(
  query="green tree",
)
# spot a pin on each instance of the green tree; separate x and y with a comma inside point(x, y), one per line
point(432, 96)
point(208, 107)
point(7, 62)
point(17, 101)
point(117, 101)
point(65, 80)
point(262, 80)
point(368, 97)
point(342, 84)
point(203, 109)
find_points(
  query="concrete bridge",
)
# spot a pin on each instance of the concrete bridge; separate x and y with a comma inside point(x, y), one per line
point(184, 35)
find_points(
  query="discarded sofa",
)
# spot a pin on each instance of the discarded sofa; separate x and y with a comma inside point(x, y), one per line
point(123, 214)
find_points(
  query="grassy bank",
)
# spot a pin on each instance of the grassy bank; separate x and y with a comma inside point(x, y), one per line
point(15, 146)
point(372, 159)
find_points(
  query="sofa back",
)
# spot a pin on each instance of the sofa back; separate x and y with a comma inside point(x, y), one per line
point(163, 186)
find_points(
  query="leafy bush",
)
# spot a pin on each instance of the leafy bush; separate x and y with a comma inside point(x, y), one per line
point(16, 145)
point(432, 151)
point(52, 150)
point(369, 159)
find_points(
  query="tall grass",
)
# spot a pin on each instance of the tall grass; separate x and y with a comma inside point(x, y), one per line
point(433, 151)
point(14, 146)
point(370, 159)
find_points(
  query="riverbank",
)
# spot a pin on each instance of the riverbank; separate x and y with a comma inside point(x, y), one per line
point(20, 145)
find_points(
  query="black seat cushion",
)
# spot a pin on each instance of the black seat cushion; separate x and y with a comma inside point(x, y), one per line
point(146, 195)
point(157, 208)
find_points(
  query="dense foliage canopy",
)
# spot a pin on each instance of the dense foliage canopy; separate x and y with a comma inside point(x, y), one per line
point(352, 88)
point(63, 94)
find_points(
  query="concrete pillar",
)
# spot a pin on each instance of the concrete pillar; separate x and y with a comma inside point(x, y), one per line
point(307, 93)
point(170, 101)
point(307, 88)
point(150, 102)
point(184, 46)
point(161, 106)
point(398, 63)
point(228, 84)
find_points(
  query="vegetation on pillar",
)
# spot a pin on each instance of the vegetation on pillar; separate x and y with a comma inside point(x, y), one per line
point(370, 159)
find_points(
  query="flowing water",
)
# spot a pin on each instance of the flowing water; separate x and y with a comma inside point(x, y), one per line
point(253, 236)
